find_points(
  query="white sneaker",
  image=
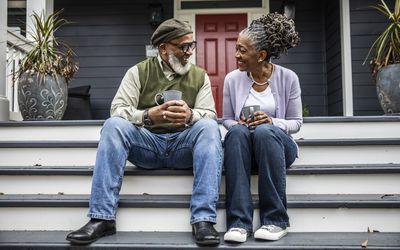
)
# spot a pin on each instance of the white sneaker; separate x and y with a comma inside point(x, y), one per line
point(270, 232)
point(236, 234)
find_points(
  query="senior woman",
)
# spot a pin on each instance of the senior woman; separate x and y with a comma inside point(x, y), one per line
point(262, 140)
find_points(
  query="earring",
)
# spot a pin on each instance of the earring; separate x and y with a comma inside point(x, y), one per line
point(259, 60)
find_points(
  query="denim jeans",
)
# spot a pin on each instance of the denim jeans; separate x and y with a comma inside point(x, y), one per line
point(198, 147)
point(270, 150)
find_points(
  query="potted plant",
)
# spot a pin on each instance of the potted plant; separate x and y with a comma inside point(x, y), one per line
point(45, 72)
point(385, 59)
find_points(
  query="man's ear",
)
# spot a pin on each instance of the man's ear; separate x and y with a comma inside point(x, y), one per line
point(162, 48)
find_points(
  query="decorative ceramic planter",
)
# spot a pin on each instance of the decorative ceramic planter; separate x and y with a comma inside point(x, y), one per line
point(388, 88)
point(42, 97)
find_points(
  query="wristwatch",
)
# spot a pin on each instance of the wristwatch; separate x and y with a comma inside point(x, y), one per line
point(146, 119)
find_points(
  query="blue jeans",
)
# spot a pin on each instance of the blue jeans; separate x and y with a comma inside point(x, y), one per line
point(270, 150)
point(198, 147)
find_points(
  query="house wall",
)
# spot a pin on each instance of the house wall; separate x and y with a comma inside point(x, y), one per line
point(109, 37)
point(333, 58)
point(366, 25)
point(308, 59)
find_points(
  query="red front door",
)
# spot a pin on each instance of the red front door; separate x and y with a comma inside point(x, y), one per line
point(216, 39)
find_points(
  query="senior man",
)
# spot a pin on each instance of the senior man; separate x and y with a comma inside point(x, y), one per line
point(177, 134)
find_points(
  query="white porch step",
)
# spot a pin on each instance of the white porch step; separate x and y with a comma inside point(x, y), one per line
point(346, 179)
point(312, 152)
point(327, 213)
point(50, 130)
point(349, 127)
point(313, 128)
point(361, 179)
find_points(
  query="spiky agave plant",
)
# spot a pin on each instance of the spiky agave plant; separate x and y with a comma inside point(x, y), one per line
point(49, 56)
point(386, 48)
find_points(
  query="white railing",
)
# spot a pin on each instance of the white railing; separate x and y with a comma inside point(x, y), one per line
point(17, 47)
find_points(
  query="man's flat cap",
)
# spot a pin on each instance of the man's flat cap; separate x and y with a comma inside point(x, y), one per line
point(170, 30)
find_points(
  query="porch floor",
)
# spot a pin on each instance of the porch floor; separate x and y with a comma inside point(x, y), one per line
point(184, 240)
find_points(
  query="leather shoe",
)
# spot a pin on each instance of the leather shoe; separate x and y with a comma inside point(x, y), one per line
point(92, 231)
point(205, 234)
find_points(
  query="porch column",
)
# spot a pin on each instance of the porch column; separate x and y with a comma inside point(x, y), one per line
point(4, 103)
point(347, 72)
point(38, 6)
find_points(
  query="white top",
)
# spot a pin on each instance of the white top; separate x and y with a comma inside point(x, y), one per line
point(265, 99)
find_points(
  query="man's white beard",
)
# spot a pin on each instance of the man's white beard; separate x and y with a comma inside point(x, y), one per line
point(177, 66)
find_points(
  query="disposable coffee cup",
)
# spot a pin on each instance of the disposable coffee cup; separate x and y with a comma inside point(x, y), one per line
point(248, 111)
point(167, 95)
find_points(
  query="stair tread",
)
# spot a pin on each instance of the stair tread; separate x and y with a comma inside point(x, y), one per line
point(356, 205)
point(184, 240)
point(183, 201)
point(315, 119)
point(94, 143)
point(132, 170)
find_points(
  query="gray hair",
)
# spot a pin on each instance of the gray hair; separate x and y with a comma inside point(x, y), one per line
point(273, 33)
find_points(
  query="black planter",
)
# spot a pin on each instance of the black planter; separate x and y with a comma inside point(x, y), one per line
point(388, 88)
point(42, 97)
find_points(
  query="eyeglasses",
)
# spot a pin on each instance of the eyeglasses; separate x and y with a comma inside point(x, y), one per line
point(185, 46)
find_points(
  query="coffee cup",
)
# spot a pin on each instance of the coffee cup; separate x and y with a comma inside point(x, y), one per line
point(167, 95)
point(248, 111)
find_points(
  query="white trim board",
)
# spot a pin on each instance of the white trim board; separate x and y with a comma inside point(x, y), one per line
point(347, 73)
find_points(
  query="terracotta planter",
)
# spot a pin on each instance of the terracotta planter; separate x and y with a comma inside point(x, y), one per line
point(42, 98)
point(388, 88)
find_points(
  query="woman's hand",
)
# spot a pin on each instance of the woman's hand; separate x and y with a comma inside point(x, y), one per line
point(259, 118)
point(243, 122)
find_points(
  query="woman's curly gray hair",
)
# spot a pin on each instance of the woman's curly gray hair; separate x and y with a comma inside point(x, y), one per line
point(273, 33)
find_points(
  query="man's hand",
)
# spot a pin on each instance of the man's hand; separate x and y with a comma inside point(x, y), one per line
point(177, 112)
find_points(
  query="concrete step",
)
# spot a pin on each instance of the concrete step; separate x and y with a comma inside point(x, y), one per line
point(312, 152)
point(25, 240)
point(165, 213)
point(313, 128)
point(323, 179)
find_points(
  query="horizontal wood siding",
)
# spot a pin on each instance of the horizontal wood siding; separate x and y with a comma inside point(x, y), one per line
point(308, 59)
point(16, 18)
point(333, 58)
point(108, 37)
point(366, 25)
